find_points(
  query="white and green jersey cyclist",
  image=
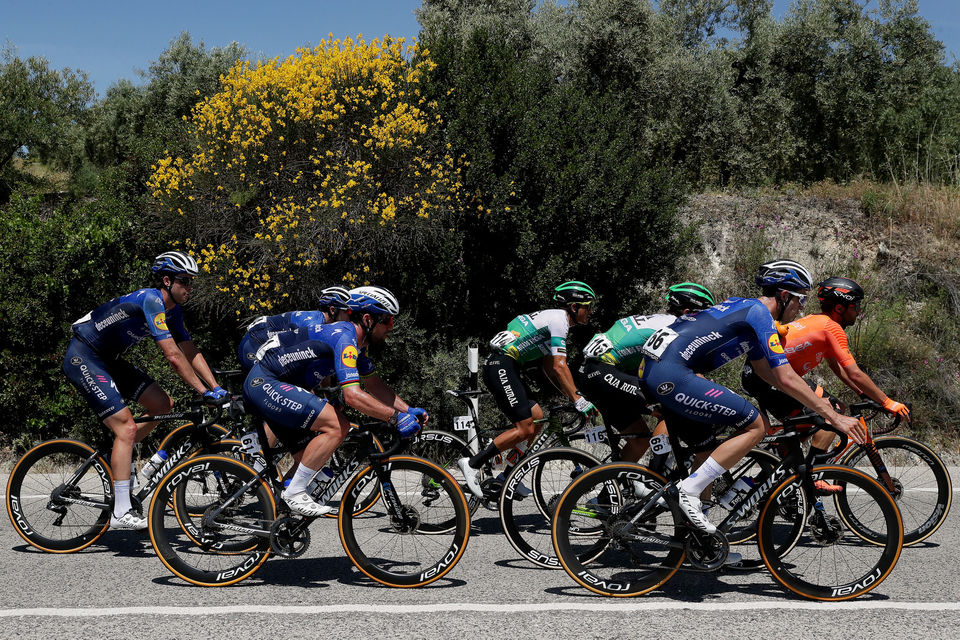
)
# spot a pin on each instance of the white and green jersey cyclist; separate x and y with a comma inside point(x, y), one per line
point(530, 337)
point(621, 345)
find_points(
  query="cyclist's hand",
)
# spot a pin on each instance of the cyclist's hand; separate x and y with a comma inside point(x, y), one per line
point(407, 425)
point(897, 408)
point(213, 396)
point(586, 407)
point(421, 414)
point(852, 427)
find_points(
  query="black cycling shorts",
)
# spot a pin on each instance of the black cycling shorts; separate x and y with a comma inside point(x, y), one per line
point(501, 374)
point(617, 395)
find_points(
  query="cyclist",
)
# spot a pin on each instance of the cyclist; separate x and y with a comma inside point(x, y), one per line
point(539, 337)
point(94, 365)
point(278, 389)
point(612, 359)
point(813, 339)
point(695, 344)
point(331, 307)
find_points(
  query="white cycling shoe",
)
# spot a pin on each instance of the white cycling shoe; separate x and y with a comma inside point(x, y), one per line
point(302, 504)
point(470, 475)
point(130, 521)
point(692, 509)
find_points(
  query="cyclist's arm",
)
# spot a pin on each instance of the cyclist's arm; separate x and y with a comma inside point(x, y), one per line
point(180, 364)
point(842, 374)
point(380, 390)
point(365, 403)
point(555, 367)
point(865, 384)
point(199, 363)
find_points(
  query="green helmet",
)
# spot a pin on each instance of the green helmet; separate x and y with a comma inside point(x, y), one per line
point(689, 295)
point(574, 292)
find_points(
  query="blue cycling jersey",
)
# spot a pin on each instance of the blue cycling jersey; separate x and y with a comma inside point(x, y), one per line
point(713, 337)
point(117, 325)
point(265, 327)
point(305, 357)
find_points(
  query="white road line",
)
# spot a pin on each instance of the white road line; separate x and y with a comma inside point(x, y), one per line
point(575, 607)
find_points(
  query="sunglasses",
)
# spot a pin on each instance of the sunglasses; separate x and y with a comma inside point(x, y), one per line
point(801, 298)
point(185, 281)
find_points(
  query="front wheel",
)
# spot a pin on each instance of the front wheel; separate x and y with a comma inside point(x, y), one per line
point(60, 496)
point(416, 533)
point(529, 498)
point(229, 540)
point(829, 560)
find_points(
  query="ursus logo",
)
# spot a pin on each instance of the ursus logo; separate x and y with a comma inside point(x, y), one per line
point(774, 344)
point(160, 321)
point(349, 356)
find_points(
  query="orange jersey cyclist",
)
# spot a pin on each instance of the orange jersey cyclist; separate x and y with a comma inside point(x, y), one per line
point(529, 340)
point(812, 339)
point(94, 365)
point(278, 388)
point(694, 406)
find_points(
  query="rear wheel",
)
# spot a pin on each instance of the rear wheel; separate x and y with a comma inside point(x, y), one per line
point(445, 449)
point(60, 496)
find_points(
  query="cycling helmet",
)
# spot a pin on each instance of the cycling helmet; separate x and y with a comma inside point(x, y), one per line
point(837, 290)
point(783, 274)
point(375, 300)
point(336, 297)
point(689, 295)
point(175, 263)
point(574, 292)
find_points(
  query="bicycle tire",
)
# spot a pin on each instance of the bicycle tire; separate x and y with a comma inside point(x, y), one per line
point(923, 487)
point(527, 519)
point(212, 555)
point(53, 525)
point(445, 449)
point(609, 563)
point(423, 547)
point(828, 562)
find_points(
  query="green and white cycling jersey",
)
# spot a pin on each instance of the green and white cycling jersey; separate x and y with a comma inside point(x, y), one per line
point(621, 345)
point(530, 337)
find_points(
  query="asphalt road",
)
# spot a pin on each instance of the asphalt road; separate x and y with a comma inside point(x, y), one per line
point(118, 588)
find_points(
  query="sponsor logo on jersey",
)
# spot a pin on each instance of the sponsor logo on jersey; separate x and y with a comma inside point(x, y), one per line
point(160, 321)
point(799, 347)
point(110, 319)
point(665, 388)
point(296, 356)
point(774, 344)
point(643, 363)
point(256, 382)
point(696, 343)
point(349, 356)
point(76, 360)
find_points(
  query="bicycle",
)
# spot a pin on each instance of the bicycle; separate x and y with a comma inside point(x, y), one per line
point(60, 493)
point(615, 543)
point(912, 473)
point(403, 520)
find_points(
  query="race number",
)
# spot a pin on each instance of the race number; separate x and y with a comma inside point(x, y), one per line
point(660, 444)
point(502, 339)
point(462, 423)
point(598, 346)
point(250, 443)
point(658, 342)
point(595, 434)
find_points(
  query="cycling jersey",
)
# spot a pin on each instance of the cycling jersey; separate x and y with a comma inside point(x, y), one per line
point(622, 344)
point(813, 338)
point(117, 325)
point(530, 337)
point(265, 327)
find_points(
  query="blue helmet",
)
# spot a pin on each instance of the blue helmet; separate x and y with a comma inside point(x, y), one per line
point(785, 274)
point(175, 263)
point(373, 300)
point(336, 297)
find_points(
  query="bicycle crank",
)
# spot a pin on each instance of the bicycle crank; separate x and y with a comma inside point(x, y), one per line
point(289, 537)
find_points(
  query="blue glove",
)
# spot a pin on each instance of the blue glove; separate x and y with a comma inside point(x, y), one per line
point(420, 414)
point(212, 396)
point(407, 425)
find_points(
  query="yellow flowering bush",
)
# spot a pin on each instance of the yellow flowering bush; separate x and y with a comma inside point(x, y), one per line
point(311, 171)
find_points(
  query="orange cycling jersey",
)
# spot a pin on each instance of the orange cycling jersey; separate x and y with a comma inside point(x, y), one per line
point(813, 338)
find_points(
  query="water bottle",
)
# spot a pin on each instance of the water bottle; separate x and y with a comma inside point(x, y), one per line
point(154, 463)
point(516, 453)
point(739, 490)
point(324, 475)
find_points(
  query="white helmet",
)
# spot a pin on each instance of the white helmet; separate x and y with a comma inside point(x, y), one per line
point(176, 263)
point(375, 300)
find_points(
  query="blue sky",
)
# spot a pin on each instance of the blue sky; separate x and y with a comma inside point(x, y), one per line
point(110, 39)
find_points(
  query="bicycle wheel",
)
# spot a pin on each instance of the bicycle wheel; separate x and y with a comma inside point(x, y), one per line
point(176, 438)
point(829, 560)
point(212, 550)
point(754, 468)
point(923, 489)
point(412, 543)
point(628, 554)
point(445, 449)
point(51, 506)
point(529, 498)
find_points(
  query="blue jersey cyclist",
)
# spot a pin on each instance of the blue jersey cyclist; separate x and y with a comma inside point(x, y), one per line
point(693, 405)
point(94, 365)
point(331, 307)
point(277, 388)
point(531, 339)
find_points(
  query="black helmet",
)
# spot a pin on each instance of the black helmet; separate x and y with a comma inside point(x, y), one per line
point(837, 290)
point(689, 295)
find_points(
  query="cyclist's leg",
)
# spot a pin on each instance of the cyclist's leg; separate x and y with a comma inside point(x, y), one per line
point(156, 401)
point(620, 399)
